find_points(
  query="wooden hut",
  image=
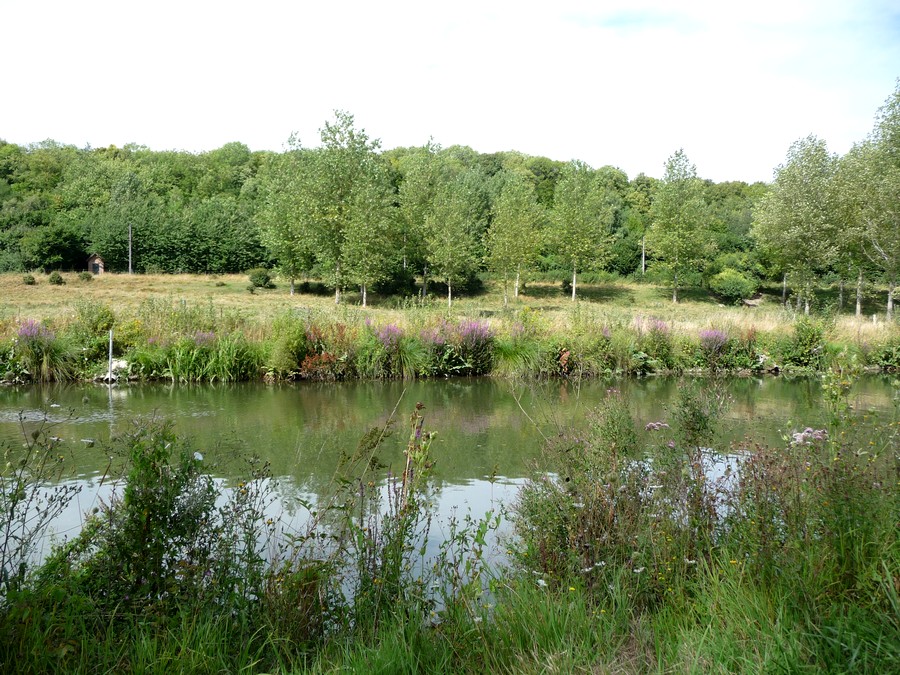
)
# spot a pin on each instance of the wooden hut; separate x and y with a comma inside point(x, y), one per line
point(95, 264)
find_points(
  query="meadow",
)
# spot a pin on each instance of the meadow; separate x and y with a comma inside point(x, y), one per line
point(191, 328)
point(631, 548)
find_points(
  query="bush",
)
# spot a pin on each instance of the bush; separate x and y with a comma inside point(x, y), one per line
point(56, 278)
point(29, 280)
point(732, 285)
point(806, 349)
point(260, 278)
point(85, 276)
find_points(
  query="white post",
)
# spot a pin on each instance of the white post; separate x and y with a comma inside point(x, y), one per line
point(109, 375)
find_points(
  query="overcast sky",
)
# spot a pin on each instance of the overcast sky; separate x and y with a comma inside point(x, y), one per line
point(619, 82)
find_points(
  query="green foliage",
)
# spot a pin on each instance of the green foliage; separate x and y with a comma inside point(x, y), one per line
point(679, 237)
point(733, 286)
point(85, 277)
point(33, 492)
point(166, 543)
point(806, 348)
point(56, 279)
point(260, 278)
point(583, 215)
point(39, 355)
point(288, 347)
point(29, 280)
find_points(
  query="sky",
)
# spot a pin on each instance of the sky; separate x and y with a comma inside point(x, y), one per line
point(624, 83)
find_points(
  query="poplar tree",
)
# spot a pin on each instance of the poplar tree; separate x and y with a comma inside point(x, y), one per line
point(582, 220)
point(678, 236)
point(796, 220)
point(453, 225)
point(514, 236)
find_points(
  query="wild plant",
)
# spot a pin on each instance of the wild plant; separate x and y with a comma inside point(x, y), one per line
point(288, 347)
point(39, 355)
point(387, 531)
point(806, 348)
point(33, 492)
point(168, 541)
point(656, 341)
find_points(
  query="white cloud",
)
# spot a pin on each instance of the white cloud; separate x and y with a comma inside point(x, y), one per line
point(622, 83)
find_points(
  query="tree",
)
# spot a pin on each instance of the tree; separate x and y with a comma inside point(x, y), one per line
point(514, 236)
point(873, 168)
point(678, 237)
point(583, 216)
point(335, 198)
point(424, 171)
point(288, 238)
point(795, 221)
point(453, 226)
point(369, 249)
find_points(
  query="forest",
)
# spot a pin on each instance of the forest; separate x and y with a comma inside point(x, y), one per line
point(354, 216)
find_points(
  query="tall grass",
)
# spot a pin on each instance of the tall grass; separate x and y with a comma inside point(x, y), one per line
point(159, 339)
point(635, 550)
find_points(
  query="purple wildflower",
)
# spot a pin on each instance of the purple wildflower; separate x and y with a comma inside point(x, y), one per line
point(658, 326)
point(808, 436)
point(32, 330)
point(204, 338)
point(656, 426)
point(473, 332)
point(389, 336)
point(713, 340)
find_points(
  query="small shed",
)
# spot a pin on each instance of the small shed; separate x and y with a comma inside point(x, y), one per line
point(95, 264)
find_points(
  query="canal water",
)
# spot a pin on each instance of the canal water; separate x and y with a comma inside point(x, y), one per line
point(489, 432)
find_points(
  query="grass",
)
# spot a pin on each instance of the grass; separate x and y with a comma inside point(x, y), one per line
point(627, 557)
point(209, 328)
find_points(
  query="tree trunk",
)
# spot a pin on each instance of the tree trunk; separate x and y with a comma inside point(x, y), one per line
point(505, 291)
point(806, 303)
point(424, 281)
point(643, 256)
point(516, 288)
point(337, 284)
point(292, 285)
point(841, 295)
point(675, 288)
point(784, 290)
point(890, 303)
point(449, 294)
point(859, 285)
point(574, 272)
point(363, 289)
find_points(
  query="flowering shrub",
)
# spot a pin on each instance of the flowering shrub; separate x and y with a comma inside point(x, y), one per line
point(475, 341)
point(38, 355)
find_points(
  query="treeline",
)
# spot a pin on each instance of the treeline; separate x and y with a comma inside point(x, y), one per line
point(355, 216)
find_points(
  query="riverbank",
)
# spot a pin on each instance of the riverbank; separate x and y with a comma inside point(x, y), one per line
point(788, 561)
point(203, 329)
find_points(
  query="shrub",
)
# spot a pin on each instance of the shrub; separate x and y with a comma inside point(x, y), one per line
point(260, 278)
point(85, 276)
point(56, 278)
point(806, 348)
point(732, 285)
point(40, 355)
point(29, 280)
point(169, 540)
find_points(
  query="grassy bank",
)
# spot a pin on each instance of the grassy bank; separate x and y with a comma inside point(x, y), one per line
point(631, 550)
point(194, 328)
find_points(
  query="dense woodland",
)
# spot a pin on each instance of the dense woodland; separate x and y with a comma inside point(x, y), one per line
point(356, 216)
